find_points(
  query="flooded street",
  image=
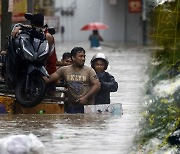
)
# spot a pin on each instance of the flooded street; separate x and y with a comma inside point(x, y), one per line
point(100, 134)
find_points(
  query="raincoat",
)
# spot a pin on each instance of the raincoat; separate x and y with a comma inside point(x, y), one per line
point(108, 84)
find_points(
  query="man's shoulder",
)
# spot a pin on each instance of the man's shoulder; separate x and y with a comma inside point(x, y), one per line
point(49, 37)
point(66, 67)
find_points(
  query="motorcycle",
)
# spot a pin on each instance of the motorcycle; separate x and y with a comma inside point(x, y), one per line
point(25, 64)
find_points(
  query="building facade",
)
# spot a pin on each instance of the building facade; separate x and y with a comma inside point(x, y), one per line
point(69, 16)
point(124, 26)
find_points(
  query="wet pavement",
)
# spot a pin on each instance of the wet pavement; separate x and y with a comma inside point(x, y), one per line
point(100, 134)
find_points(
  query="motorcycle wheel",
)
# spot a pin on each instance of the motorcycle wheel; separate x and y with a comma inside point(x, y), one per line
point(33, 95)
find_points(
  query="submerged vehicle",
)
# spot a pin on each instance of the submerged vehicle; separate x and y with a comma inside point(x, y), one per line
point(25, 64)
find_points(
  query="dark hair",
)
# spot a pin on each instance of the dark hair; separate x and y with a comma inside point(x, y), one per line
point(38, 20)
point(76, 50)
point(95, 32)
point(66, 55)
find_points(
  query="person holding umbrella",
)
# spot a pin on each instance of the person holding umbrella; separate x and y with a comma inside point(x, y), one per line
point(95, 38)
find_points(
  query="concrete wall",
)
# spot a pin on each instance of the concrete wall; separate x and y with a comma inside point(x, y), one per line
point(114, 16)
point(134, 27)
point(123, 26)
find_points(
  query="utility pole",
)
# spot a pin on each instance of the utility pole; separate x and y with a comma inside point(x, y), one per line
point(6, 22)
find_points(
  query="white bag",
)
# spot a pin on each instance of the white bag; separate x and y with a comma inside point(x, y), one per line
point(21, 144)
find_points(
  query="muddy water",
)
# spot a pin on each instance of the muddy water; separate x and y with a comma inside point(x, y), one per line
point(106, 134)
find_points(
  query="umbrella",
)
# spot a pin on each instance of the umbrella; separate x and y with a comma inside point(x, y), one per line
point(94, 26)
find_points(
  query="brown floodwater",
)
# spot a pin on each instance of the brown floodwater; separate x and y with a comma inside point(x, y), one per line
point(92, 133)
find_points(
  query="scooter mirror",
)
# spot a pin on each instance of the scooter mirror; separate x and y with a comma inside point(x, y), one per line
point(28, 16)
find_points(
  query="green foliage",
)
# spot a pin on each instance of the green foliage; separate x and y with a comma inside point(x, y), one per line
point(160, 119)
point(168, 60)
point(162, 116)
point(165, 32)
point(165, 20)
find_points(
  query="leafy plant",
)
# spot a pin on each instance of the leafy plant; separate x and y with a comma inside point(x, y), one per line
point(162, 115)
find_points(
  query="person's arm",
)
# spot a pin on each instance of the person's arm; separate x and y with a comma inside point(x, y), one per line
point(94, 89)
point(15, 31)
point(100, 38)
point(50, 38)
point(59, 63)
point(54, 77)
point(17, 27)
point(111, 85)
point(51, 41)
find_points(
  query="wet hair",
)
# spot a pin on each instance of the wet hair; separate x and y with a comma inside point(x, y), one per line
point(38, 19)
point(76, 50)
point(66, 55)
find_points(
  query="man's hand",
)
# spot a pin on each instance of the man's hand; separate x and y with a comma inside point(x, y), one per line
point(15, 31)
point(83, 100)
point(46, 79)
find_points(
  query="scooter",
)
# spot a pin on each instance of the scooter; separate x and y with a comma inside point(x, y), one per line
point(25, 64)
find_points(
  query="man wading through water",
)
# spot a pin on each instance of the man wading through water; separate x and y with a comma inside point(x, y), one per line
point(82, 82)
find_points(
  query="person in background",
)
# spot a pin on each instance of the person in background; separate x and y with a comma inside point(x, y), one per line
point(95, 39)
point(62, 33)
point(66, 60)
point(51, 68)
point(82, 82)
point(108, 83)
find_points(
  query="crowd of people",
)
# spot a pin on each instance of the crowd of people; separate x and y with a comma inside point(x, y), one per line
point(85, 85)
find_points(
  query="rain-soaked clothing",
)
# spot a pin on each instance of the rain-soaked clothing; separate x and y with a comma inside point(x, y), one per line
point(95, 40)
point(52, 60)
point(51, 63)
point(78, 84)
point(108, 84)
point(51, 68)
